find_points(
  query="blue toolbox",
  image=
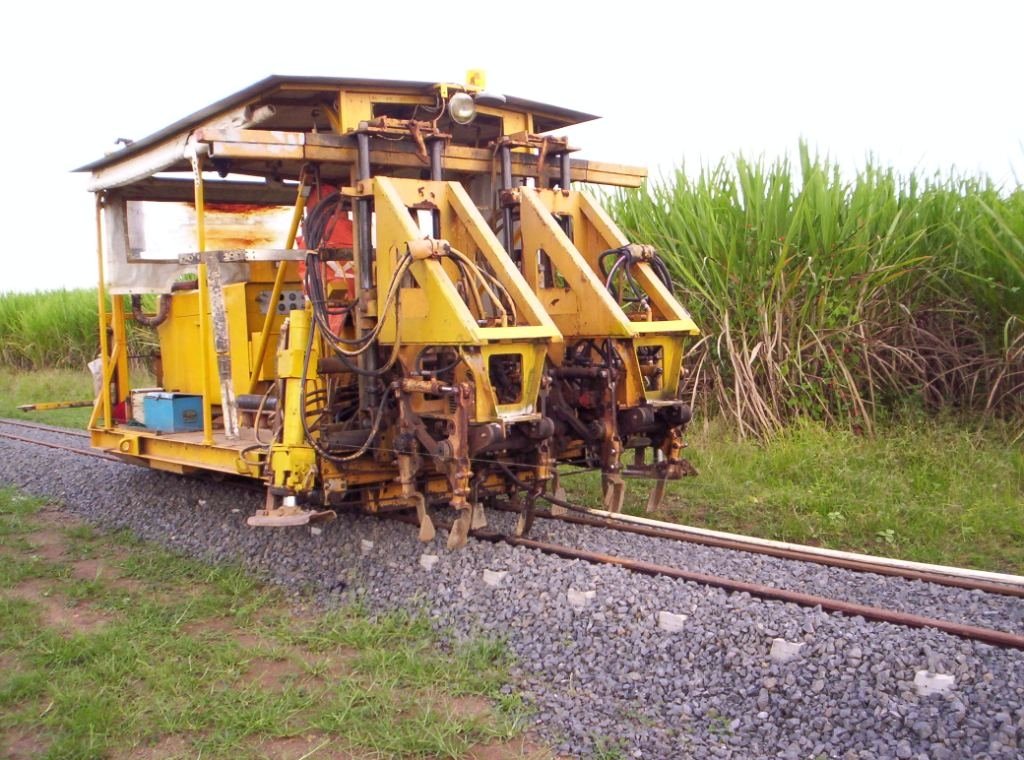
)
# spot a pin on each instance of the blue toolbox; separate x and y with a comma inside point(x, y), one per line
point(173, 412)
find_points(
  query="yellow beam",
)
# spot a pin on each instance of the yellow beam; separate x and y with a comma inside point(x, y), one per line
point(101, 292)
point(45, 406)
point(262, 145)
point(120, 347)
point(205, 337)
point(160, 450)
point(279, 278)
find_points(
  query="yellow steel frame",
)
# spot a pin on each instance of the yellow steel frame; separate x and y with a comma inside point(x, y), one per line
point(432, 312)
point(176, 452)
point(202, 274)
point(103, 400)
point(298, 148)
point(279, 279)
point(579, 302)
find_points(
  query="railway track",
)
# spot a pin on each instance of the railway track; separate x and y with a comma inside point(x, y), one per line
point(668, 532)
point(864, 564)
point(878, 614)
point(48, 428)
point(83, 450)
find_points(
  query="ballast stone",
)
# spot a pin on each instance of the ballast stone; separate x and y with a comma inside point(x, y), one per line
point(579, 599)
point(365, 547)
point(860, 708)
point(927, 683)
point(784, 651)
point(427, 561)
point(670, 621)
point(494, 578)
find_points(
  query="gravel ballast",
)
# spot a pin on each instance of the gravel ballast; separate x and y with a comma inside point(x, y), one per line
point(606, 672)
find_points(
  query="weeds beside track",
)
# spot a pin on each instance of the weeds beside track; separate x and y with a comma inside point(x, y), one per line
point(839, 299)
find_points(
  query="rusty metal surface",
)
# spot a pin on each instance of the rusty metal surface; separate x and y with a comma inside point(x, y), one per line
point(48, 428)
point(49, 445)
point(976, 633)
point(790, 554)
point(289, 517)
point(286, 85)
point(878, 614)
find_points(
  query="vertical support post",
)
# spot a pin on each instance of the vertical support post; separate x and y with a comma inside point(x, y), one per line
point(222, 347)
point(120, 348)
point(205, 339)
point(506, 184)
point(101, 292)
point(436, 175)
point(282, 267)
point(565, 160)
point(368, 398)
point(436, 168)
point(292, 432)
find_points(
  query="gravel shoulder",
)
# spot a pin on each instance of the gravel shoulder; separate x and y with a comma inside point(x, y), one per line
point(603, 678)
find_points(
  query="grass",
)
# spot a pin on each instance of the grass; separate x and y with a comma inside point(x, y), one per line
point(111, 646)
point(21, 387)
point(836, 299)
point(927, 490)
point(59, 329)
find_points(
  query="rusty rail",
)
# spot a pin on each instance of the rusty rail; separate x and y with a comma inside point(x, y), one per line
point(790, 554)
point(47, 444)
point(47, 428)
point(878, 614)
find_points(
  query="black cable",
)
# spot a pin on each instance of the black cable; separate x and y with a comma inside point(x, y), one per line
point(624, 261)
point(374, 428)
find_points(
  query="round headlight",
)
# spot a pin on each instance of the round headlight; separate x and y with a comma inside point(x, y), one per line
point(462, 108)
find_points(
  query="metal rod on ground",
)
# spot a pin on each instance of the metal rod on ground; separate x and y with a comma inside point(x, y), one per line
point(43, 426)
point(45, 406)
point(984, 575)
point(83, 452)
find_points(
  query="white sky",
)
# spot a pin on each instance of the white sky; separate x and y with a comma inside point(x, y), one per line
point(917, 84)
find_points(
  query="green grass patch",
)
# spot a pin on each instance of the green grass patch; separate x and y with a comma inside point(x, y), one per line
point(154, 647)
point(926, 490)
point(19, 387)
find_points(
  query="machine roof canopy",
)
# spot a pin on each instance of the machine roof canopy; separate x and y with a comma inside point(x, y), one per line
point(272, 128)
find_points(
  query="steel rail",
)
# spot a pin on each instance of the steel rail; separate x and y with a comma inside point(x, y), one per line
point(83, 452)
point(47, 428)
point(877, 614)
point(1006, 579)
point(790, 554)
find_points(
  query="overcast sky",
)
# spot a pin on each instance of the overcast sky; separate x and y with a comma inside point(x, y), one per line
point(926, 85)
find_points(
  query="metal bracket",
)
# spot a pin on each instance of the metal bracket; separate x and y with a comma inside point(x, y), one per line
point(244, 254)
